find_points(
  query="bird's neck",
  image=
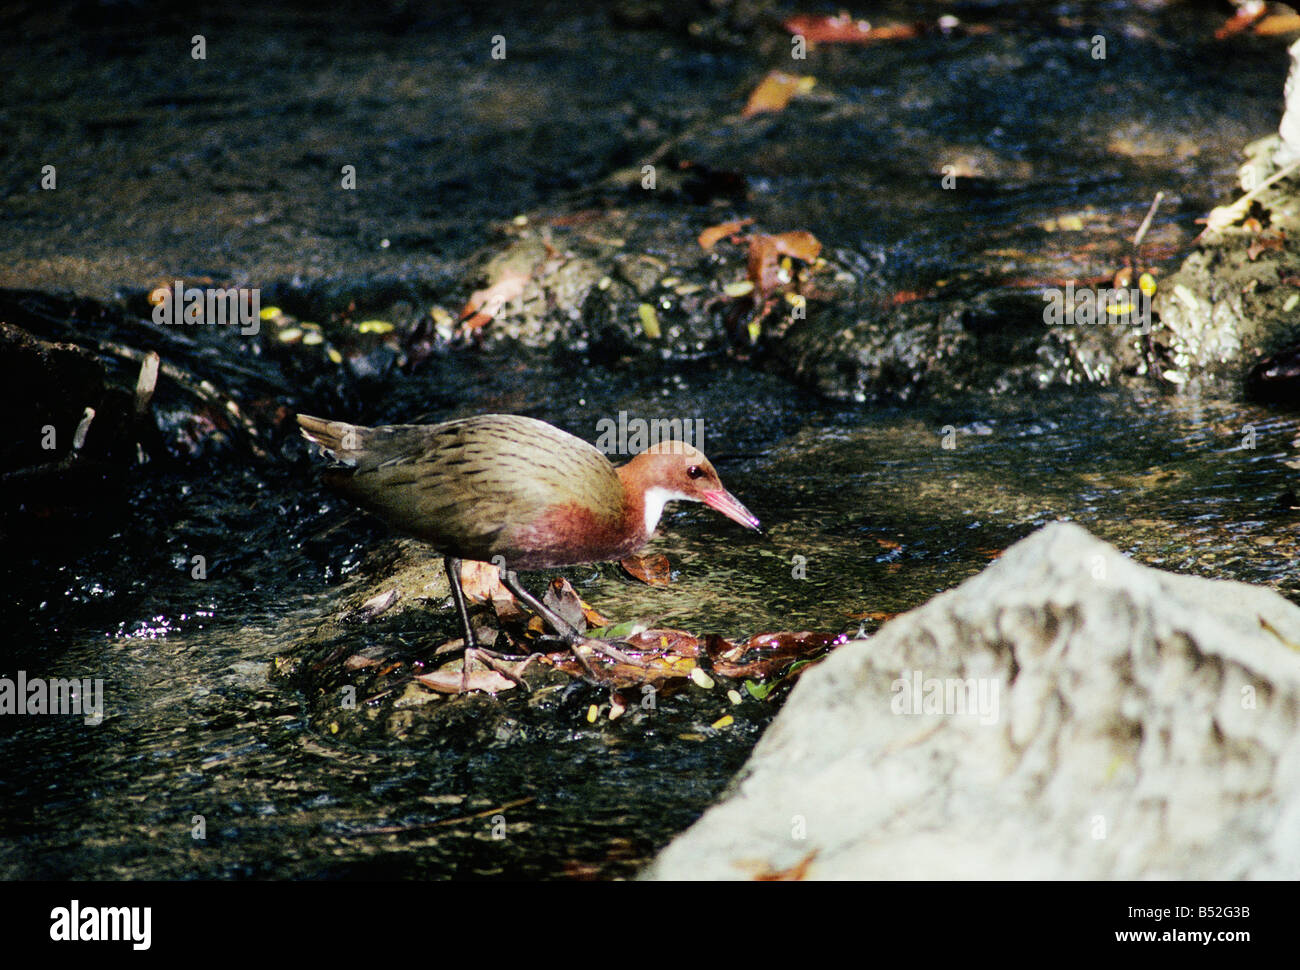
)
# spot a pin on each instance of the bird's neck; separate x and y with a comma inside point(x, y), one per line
point(643, 502)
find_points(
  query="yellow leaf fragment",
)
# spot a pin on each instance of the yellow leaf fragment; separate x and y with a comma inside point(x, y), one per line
point(701, 678)
point(649, 320)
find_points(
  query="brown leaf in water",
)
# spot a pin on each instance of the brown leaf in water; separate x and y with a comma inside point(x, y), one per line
point(798, 244)
point(768, 653)
point(829, 29)
point(481, 582)
point(765, 252)
point(678, 643)
point(358, 662)
point(510, 610)
point(671, 656)
point(844, 29)
point(764, 264)
point(774, 92)
point(446, 681)
point(711, 236)
point(1278, 23)
point(668, 655)
point(653, 570)
point(564, 600)
point(878, 615)
point(658, 672)
point(1246, 15)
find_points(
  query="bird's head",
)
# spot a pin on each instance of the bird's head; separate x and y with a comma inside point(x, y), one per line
point(675, 471)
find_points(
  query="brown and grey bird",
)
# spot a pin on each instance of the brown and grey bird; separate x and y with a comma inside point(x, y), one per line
point(515, 491)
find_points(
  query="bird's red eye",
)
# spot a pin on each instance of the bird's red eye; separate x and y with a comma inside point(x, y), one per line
point(695, 471)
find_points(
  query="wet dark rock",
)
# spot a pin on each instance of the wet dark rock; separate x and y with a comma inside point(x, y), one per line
point(1234, 303)
point(44, 386)
point(711, 23)
point(1224, 310)
point(592, 279)
point(1276, 379)
point(72, 436)
point(995, 341)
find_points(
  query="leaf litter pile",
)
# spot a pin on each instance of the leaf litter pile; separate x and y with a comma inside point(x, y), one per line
point(665, 660)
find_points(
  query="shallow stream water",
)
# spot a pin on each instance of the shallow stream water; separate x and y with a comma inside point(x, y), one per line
point(870, 509)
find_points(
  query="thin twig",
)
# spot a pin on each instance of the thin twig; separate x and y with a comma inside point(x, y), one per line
point(1146, 223)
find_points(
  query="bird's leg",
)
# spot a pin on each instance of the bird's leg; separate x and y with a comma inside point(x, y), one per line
point(452, 565)
point(472, 649)
point(567, 632)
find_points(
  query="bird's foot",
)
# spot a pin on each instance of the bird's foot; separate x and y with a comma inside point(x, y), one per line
point(609, 648)
point(496, 661)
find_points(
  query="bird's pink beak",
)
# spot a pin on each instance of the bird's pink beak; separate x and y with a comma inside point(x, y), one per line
point(726, 503)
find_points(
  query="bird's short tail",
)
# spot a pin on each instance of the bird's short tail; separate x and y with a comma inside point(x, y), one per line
point(339, 439)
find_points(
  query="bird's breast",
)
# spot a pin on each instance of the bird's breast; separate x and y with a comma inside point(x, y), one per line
point(567, 534)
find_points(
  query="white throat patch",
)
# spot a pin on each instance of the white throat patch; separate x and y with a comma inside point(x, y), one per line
point(655, 500)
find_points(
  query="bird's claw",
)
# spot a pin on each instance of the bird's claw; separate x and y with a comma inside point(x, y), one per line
point(493, 660)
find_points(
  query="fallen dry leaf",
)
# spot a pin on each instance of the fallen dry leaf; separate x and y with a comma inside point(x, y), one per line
point(561, 597)
point(1278, 23)
point(481, 582)
point(657, 673)
point(676, 642)
point(799, 244)
point(653, 570)
point(358, 662)
point(1246, 15)
point(823, 29)
point(668, 656)
point(449, 681)
point(879, 615)
point(768, 653)
point(765, 252)
point(711, 236)
point(764, 264)
point(844, 29)
point(593, 616)
point(775, 91)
